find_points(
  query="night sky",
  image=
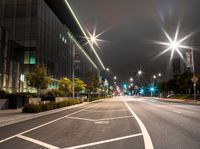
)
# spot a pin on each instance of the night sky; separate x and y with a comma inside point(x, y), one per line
point(132, 26)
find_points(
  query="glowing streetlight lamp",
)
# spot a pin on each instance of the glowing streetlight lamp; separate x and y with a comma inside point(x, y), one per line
point(140, 72)
point(176, 44)
point(160, 74)
point(115, 78)
point(131, 79)
point(107, 69)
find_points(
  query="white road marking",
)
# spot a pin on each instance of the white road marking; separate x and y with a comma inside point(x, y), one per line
point(177, 111)
point(147, 139)
point(103, 142)
point(50, 122)
point(106, 111)
point(38, 142)
point(79, 118)
point(114, 118)
point(101, 122)
point(104, 119)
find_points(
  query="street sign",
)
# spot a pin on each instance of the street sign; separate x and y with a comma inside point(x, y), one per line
point(194, 79)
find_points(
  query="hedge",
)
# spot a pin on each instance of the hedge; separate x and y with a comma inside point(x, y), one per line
point(33, 108)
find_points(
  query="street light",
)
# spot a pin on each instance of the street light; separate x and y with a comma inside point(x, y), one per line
point(174, 45)
point(115, 78)
point(107, 69)
point(154, 77)
point(131, 79)
point(140, 72)
point(160, 75)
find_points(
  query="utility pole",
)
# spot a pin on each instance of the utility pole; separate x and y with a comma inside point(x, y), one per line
point(73, 72)
point(194, 78)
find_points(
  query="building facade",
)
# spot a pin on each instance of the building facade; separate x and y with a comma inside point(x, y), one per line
point(32, 34)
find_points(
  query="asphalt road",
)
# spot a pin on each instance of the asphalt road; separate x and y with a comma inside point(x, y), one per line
point(117, 123)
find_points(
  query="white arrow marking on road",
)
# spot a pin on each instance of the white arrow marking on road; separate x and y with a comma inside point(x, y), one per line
point(147, 139)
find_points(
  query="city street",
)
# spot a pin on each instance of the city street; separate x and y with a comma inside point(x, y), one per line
point(117, 123)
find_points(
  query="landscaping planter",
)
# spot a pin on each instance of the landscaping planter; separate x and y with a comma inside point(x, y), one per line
point(4, 104)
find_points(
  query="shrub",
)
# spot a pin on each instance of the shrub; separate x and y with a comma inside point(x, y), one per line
point(56, 93)
point(30, 95)
point(48, 106)
point(31, 108)
point(3, 94)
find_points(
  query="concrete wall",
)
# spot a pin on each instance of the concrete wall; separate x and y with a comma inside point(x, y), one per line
point(60, 99)
point(34, 100)
point(57, 99)
point(4, 103)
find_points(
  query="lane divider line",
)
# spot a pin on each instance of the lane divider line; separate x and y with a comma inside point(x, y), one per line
point(104, 141)
point(38, 142)
point(147, 139)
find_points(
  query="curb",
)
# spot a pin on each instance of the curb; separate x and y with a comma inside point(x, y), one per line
point(37, 115)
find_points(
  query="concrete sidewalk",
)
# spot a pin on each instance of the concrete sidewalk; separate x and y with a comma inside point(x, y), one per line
point(190, 101)
point(11, 116)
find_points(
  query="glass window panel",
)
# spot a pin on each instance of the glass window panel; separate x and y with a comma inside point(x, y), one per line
point(21, 10)
point(32, 58)
point(26, 57)
point(21, 2)
point(9, 11)
point(9, 2)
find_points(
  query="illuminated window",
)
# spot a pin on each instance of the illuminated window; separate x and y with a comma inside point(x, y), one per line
point(29, 57)
point(26, 57)
point(32, 58)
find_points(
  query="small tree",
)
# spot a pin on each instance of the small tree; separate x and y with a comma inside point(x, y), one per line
point(79, 85)
point(38, 78)
point(92, 82)
point(65, 85)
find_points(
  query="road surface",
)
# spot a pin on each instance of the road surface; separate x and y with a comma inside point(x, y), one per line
point(117, 123)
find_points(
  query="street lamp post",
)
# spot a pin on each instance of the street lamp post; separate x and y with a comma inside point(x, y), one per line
point(154, 77)
point(194, 78)
point(73, 72)
point(174, 45)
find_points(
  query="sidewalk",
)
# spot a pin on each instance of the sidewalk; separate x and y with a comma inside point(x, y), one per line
point(191, 101)
point(11, 116)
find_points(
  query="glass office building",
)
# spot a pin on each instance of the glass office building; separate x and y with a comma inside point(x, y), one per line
point(32, 34)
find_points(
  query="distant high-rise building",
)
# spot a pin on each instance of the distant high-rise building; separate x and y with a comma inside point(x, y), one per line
point(176, 66)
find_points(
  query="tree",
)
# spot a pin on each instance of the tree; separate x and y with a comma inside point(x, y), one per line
point(38, 78)
point(79, 85)
point(92, 82)
point(162, 86)
point(65, 85)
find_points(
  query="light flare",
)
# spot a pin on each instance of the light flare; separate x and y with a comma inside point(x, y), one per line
point(174, 44)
